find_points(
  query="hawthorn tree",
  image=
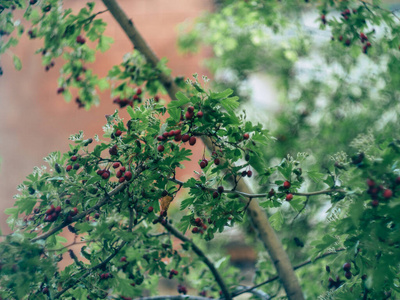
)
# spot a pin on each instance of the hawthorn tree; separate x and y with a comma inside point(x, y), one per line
point(336, 146)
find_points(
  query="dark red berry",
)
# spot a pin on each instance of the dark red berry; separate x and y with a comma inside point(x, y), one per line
point(76, 166)
point(105, 175)
point(246, 136)
point(375, 203)
point(116, 165)
point(185, 138)
point(45, 290)
point(370, 183)
point(139, 91)
point(347, 275)
point(100, 172)
point(189, 115)
point(113, 150)
point(160, 138)
point(122, 169)
point(346, 267)
point(128, 175)
point(215, 195)
point(156, 98)
point(244, 173)
point(160, 148)
point(195, 230)
point(60, 90)
point(150, 209)
point(121, 179)
point(190, 109)
point(217, 161)
point(286, 184)
point(220, 189)
point(74, 158)
point(123, 259)
point(96, 215)
point(197, 221)
point(177, 137)
point(200, 114)
point(68, 168)
point(177, 132)
point(192, 140)
point(80, 39)
point(165, 134)
point(58, 209)
point(249, 173)
point(118, 132)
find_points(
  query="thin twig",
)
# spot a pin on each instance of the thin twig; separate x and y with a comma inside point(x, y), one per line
point(200, 253)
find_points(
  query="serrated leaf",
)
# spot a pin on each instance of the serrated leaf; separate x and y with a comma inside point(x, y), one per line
point(276, 220)
point(221, 95)
point(230, 104)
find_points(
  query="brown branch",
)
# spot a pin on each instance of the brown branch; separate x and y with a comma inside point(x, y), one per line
point(307, 262)
point(140, 44)
point(205, 259)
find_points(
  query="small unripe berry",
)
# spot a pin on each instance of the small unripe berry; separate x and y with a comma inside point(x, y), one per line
point(128, 175)
point(192, 140)
point(286, 184)
point(160, 148)
point(289, 197)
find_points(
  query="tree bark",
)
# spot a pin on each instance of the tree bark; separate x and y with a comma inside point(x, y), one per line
point(256, 214)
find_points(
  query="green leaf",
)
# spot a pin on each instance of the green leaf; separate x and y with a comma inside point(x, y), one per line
point(221, 95)
point(276, 220)
point(230, 104)
point(104, 43)
point(182, 100)
point(17, 62)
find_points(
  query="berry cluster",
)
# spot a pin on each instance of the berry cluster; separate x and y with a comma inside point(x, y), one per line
point(172, 273)
point(182, 289)
point(200, 226)
point(105, 275)
point(80, 40)
point(379, 192)
point(52, 213)
point(130, 101)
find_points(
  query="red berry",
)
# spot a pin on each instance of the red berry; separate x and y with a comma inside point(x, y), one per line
point(347, 275)
point(122, 169)
point(138, 91)
point(60, 90)
point(217, 161)
point(192, 140)
point(150, 209)
point(175, 272)
point(99, 172)
point(116, 165)
point(197, 221)
point(69, 168)
point(203, 164)
point(375, 203)
point(286, 184)
point(195, 230)
point(123, 259)
point(177, 137)
point(96, 215)
point(76, 166)
point(387, 194)
point(185, 138)
point(171, 133)
point(340, 38)
point(323, 19)
point(128, 175)
point(189, 115)
point(271, 193)
point(190, 109)
point(156, 98)
point(121, 180)
point(74, 158)
point(204, 227)
point(45, 290)
point(370, 183)
point(246, 136)
point(347, 42)
point(346, 267)
point(113, 150)
point(80, 39)
point(177, 132)
point(249, 173)
point(215, 195)
point(160, 148)
point(119, 174)
point(165, 134)
point(289, 197)
point(118, 132)
point(58, 209)
point(200, 114)
point(220, 189)
point(160, 138)
point(105, 175)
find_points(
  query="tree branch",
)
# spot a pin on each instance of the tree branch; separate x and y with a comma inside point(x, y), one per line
point(307, 262)
point(201, 254)
point(140, 44)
